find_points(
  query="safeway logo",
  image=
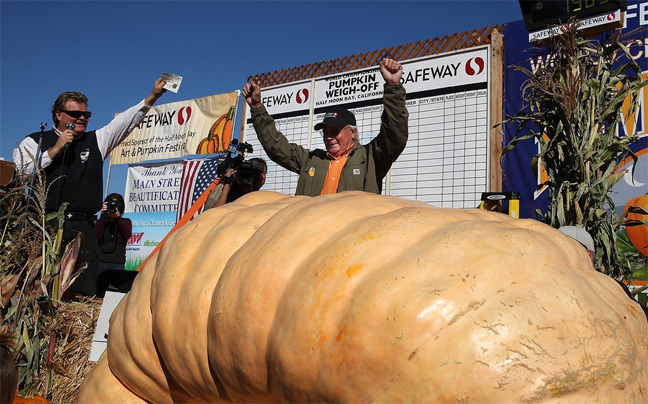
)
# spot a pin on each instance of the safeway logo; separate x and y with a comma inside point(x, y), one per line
point(135, 239)
point(184, 114)
point(475, 66)
point(302, 96)
point(611, 17)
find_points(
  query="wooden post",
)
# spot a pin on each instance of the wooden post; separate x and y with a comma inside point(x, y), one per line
point(496, 105)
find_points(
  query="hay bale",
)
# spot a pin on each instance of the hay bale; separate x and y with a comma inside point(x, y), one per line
point(74, 325)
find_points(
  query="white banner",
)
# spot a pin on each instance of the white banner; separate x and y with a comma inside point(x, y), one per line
point(171, 131)
point(153, 187)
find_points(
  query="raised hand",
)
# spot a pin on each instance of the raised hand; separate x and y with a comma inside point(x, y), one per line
point(391, 70)
point(252, 94)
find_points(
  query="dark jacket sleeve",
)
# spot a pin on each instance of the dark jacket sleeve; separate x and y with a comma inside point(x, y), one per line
point(394, 130)
point(290, 156)
point(125, 227)
point(100, 225)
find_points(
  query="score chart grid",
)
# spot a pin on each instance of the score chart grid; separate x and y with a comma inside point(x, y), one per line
point(446, 158)
point(296, 129)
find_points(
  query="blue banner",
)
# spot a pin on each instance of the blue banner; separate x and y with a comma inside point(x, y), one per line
point(518, 174)
point(149, 229)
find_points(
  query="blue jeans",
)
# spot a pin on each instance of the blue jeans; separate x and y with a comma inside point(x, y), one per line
point(109, 266)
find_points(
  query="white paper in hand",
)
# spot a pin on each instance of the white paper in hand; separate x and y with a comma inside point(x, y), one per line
point(172, 81)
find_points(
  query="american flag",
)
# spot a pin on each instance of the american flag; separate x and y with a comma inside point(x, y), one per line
point(197, 174)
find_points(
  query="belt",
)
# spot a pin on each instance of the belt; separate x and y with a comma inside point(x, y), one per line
point(80, 217)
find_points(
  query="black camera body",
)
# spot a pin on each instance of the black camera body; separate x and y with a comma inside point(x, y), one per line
point(245, 169)
point(111, 206)
point(245, 173)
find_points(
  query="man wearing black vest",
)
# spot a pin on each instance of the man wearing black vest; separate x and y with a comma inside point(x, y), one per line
point(77, 156)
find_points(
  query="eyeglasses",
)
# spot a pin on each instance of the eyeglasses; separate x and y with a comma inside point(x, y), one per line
point(333, 132)
point(78, 114)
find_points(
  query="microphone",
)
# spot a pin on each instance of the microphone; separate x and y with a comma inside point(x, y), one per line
point(69, 126)
point(232, 149)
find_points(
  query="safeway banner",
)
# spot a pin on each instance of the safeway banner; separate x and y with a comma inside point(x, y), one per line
point(171, 131)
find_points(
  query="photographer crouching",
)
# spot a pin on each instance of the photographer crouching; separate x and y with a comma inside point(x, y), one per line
point(113, 232)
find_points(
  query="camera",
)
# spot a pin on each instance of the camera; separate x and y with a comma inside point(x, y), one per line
point(111, 206)
point(245, 173)
point(245, 169)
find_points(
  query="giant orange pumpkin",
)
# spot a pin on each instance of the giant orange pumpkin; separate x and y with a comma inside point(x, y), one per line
point(357, 297)
point(637, 231)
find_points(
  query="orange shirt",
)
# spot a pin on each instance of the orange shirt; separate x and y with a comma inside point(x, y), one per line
point(333, 175)
point(334, 170)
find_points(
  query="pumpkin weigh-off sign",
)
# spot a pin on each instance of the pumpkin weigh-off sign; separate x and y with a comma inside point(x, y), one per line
point(356, 297)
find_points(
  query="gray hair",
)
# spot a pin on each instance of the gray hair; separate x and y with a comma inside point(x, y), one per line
point(354, 129)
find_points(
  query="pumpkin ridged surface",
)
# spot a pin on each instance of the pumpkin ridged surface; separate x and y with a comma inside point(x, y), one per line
point(182, 294)
point(356, 297)
point(104, 388)
point(131, 337)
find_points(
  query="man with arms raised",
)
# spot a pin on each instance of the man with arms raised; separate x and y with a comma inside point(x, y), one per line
point(345, 164)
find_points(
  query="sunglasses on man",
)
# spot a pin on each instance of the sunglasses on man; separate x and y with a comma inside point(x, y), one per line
point(78, 114)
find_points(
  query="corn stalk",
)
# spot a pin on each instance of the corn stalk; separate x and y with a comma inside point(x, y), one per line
point(30, 264)
point(574, 107)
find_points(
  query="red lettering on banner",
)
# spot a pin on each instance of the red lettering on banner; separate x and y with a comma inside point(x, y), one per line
point(135, 239)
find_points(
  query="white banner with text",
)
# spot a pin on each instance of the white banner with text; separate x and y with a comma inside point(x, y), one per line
point(153, 187)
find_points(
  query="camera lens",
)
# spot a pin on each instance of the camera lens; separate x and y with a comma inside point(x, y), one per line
point(111, 206)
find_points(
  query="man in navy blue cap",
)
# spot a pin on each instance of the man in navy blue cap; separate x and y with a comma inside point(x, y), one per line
point(345, 164)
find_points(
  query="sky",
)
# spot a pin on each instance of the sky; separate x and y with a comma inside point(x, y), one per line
point(113, 51)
